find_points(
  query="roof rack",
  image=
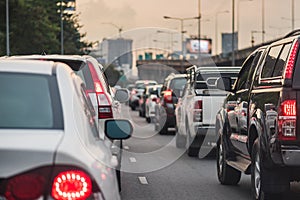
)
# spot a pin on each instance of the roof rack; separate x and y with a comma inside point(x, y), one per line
point(294, 32)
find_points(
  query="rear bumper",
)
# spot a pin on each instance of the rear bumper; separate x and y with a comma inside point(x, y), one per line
point(291, 156)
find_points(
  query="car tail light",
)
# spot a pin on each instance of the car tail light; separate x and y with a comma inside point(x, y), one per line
point(168, 96)
point(198, 111)
point(287, 120)
point(25, 186)
point(291, 61)
point(154, 99)
point(104, 104)
point(74, 184)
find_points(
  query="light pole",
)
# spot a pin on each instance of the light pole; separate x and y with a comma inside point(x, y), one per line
point(181, 28)
point(293, 15)
point(232, 36)
point(61, 29)
point(120, 29)
point(199, 31)
point(7, 29)
point(263, 21)
point(216, 28)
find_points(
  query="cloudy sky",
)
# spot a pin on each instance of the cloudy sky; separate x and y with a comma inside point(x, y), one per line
point(140, 19)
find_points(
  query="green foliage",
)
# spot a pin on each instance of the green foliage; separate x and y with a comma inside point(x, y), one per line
point(35, 27)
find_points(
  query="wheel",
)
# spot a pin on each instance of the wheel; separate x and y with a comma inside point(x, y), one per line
point(193, 146)
point(118, 173)
point(266, 183)
point(180, 140)
point(148, 119)
point(164, 129)
point(226, 174)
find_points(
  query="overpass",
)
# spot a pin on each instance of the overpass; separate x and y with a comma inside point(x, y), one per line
point(159, 69)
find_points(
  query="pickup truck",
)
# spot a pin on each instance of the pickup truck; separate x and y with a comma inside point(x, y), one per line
point(197, 108)
point(266, 143)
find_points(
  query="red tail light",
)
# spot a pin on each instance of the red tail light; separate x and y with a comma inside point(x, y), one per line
point(198, 111)
point(104, 104)
point(168, 96)
point(154, 99)
point(291, 62)
point(287, 121)
point(26, 186)
point(75, 185)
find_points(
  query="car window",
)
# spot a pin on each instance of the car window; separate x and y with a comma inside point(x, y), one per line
point(270, 62)
point(244, 73)
point(85, 74)
point(29, 101)
point(278, 69)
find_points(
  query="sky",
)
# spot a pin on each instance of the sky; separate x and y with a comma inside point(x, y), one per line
point(140, 20)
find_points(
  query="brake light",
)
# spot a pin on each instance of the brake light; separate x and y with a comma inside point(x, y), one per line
point(287, 120)
point(104, 104)
point(168, 96)
point(75, 185)
point(26, 186)
point(291, 62)
point(198, 111)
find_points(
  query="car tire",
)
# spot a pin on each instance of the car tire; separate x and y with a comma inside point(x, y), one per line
point(148, 119)
point(226, 174)
point(180, 140)
point(164, 129)
point(260, 175)
point(192, 144)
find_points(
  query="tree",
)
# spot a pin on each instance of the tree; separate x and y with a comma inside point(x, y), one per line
point(35, 28)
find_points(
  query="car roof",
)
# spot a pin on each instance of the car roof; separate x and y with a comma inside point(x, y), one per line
point(27, 66)
point(76, 62)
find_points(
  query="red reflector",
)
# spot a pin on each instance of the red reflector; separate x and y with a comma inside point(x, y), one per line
point(168, 96)
point(291, 62)
point(27, 186)
point(289, 108)
point(198, 104)
point(75, 185)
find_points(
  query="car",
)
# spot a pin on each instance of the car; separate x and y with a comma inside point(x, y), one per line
point(199, 104)
point(165, 108)
point(267, 148)
point(97, 87)
point(50, 146)
point(150, 96)
point(137, 92)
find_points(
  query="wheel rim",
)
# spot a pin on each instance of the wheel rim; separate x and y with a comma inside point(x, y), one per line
point(220, 158)
point(257, 181)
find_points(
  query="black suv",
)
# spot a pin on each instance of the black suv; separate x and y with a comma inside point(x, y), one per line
point(267, 144)
point(168, 98)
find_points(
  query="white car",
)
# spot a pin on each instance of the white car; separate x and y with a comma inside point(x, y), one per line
point(151, 95)
point(49, 142)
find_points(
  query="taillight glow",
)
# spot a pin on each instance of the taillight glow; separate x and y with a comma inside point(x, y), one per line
point(287, 121)
point(98, 87)
point(291, 62)
point(198, 111)
point(27, 186)
point(75, 185)
point(168, 96)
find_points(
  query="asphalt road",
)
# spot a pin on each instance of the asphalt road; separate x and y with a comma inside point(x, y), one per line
point(154, 169)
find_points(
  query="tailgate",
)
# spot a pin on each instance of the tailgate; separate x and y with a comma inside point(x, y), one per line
point(212, 103)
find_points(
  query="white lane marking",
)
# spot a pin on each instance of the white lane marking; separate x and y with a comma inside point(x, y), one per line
point(143, 180)
point(126, 147)
point(132, 159)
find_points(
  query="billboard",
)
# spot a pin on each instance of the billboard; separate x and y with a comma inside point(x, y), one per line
point(192, 46)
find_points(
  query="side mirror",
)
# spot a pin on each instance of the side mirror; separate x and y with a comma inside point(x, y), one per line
point(119, 129)
point(122, 95)
point(224, 83)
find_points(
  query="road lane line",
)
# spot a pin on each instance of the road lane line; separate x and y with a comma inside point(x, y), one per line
point(132, 159)
point(126, 147)
point(143, 180)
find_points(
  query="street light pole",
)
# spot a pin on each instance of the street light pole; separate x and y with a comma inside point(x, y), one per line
point(199, 31)
point(293, 15)
point(232, 36)
point(7, 29)
point(61, 29)
point(263, 21)
point(114, 25)
point(182, 31)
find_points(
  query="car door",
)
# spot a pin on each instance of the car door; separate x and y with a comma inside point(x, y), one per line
point(239, 135)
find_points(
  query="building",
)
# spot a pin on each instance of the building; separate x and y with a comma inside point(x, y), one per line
point(117, 51)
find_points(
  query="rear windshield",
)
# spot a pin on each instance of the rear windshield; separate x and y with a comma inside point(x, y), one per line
point(177, 85)
point(209, 81)
point(29, 101)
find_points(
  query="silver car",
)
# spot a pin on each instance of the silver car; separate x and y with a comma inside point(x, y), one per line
point(49, 142)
